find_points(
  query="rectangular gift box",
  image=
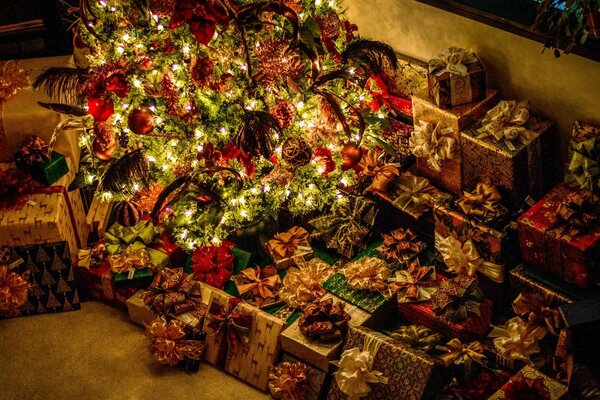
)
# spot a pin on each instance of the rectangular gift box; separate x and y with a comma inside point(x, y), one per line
point(142, 315)
point(397, 135)
point(46, 172)
point(23, 117)
point(575, 259)
point(412, 374)
point(249, 362)
point(98, 218)
point(52, 215)
point(584, 145)
point(287, 262)
point(313, 352)
point(553, 390)
point(53, 284)
point(528, 280)
point(518, 172)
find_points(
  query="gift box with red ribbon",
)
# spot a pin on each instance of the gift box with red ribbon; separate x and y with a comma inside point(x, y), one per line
point(529, 383)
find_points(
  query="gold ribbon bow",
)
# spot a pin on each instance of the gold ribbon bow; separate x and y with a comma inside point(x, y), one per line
point(382, 175)
point(452, 60)
point(583, 167)
point(169, 345)
point(285, 244)
point(370, 273)
point(464, 259)
point(410, 284)
point(432, 142)
point(258, 284)
point(578, 213)
point(483, 201)
point(129, 259)
point(414, 194)
point(14, 290)
point(86, 256)
point(457, 352)
point(289, 381)
point(506, 122)
point(536, 309)
point(355, 372)
point(516, 340)
point(417, 336)
point(400, 244)
point(304, 284)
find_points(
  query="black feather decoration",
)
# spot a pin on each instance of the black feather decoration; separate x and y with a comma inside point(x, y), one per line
point(62, 83)
point(337, 109)
point(370, 54)
point(125, 172)
point(178, 184)
point(64, 109)
point(333, 75)
point(253, 136)
point(248, 17)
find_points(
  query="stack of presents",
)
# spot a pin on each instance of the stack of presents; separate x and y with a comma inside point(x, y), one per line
point(471, 274)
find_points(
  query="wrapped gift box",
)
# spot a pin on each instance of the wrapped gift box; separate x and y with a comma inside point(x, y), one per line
point(23, 117)
point(449, 88)
point(53, 284)
point(518, 171)
point(547, 247)
point(370, 302)
point(142, 315)
point(584, 150)
point(50, 215)
point(582, 320)
point(528, 280)
point(249, 362)
point(316, 353)
point(46, 172)
point(412, 374)
point(530, 383)
point(96, 282)
point(98, 218)
point(318, 381)
point(397, 135)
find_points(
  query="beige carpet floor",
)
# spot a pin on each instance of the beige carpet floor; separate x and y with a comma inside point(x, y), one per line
point(97, 353)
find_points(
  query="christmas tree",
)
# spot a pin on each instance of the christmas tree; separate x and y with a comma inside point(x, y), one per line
point(223, 112)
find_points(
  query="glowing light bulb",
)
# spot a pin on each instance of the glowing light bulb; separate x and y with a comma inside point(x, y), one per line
point(120, 50)
point(137, 83)
point(300, 104)
point(188, 213)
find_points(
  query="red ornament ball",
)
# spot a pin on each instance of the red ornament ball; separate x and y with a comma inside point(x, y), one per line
point(127, 213)
point(105, 141)
point(141, 121)
point(351, 154)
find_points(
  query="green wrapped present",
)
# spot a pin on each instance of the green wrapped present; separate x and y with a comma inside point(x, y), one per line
point(43, 164)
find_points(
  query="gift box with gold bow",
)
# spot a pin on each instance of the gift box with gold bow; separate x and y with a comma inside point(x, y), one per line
point(509, 148)
point(456, 76)
point(241, 339)
point(375, 366)
point(37, 158)
point(286, 246)
point(560, 235)
point(259, 286)
point(583, 170)
point(294, 380)
point(530, 383)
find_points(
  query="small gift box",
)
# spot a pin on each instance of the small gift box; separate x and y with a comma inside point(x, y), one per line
point(259, 286)
point(529, 383)
point(560, 235)
point(415, 284)
point(287, 246)
point(463, 360)
point(37, 158)
point(37, 279)
point(507, 148)
point(98, 217)
point(314, 352)
point(131, 267)
point(456, 76)
point(375, 366)
point(397, 135)
point(241, 339)
point(583, 170)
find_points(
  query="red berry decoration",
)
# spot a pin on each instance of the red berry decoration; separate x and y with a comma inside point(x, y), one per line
point(141, 121)
point(127, 213)
point(351, 154)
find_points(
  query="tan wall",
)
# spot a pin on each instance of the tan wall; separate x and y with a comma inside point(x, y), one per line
point(562, 89)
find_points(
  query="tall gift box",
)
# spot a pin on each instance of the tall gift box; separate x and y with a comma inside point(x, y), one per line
point(455, 77)
point(584, 149)
point(50, 214)
point(506, 148)
point(245, 347)
point(52, 284)
point(409, 374)
point(554, 240)
point(436, 139)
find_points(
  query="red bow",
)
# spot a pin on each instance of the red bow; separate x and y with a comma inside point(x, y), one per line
point(229, 322)
point(15, 185)
point(202, 16)
point(380, 96)
point(522, 388)
point(213, 264)
point(231, 151)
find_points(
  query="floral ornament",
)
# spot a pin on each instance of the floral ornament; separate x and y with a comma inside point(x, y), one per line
point(348, 226)
point(355, 373)
point(583, 167)
point(537, 312)
point(506, 122)
point(324, 160)
point(459, 353)
point(578, 213)
point(457, 297)
point(482, 202)
point(417, 336)
point(413, 284)
point(324, 321)
point(304, 284)
point(464, 259)
point(433, 143)
point(289, 381)
point(129, 259)
point(173, 292)
point(14, 290)
point(201, 16)
point(453, 60)
point(169, 344)
point(400, 245)
point(413, 194)
point(526, 388)
point(367, 273)
point(516, 340)
point(109, 78)
point(259, 286)
point(213, 264)
point(285, 244)
point(383, 175)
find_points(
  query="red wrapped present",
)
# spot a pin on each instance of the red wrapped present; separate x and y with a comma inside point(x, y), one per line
point(177, 256)
point(560, 235)
point(213, 264)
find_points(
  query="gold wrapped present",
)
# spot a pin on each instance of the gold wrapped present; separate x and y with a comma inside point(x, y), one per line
point(285, 247)
point(98, 216)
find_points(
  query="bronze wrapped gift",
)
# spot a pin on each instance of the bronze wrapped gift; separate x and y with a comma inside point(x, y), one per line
point(285, 247)
point(291, 380)
point(324, 321)
point(259, 286)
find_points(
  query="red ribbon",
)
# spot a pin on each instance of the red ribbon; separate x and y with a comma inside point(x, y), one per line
point(202, 16)
point(228, 323)
point(522, 388)
point(380, 97)
point(213, 264)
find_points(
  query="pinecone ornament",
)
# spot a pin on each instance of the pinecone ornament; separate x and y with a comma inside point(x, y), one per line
point(284, 112)
point(277, 62)
point(296, 152)
point(127, 213)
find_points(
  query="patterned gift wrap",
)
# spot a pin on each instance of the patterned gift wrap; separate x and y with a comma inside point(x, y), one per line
point(528, 280)
point(517, 172)
point(319, 354)
point(529, 383)
point(318, 380)
point(573, 258)
point(248, 361)
point(98, 218)
point(53, 284)
point(52, 215)
point(397, 135)
point(411, 374)
point(584, 147)
point(142, 315)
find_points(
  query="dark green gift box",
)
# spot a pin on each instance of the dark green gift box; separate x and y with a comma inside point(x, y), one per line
point(46, 172)
point(142, 278)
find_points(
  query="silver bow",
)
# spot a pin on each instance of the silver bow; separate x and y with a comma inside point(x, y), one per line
point(432, 142)
point(453, 61)
point(507, 122)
